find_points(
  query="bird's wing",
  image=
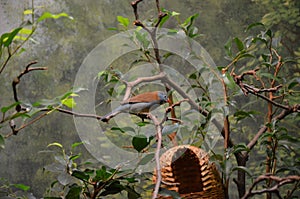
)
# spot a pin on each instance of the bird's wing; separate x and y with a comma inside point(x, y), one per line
point(120, 109)
point(144, 97)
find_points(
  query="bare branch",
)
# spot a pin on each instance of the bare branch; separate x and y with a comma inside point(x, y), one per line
point(157, 6)
point(17, 80)
point(98, 117)
point(278, 183)
point(47, 111)
point(170, 108)
point(15, 131)
point(130, 85)
point(256, 91)
point(158, 126)
point(134, 6)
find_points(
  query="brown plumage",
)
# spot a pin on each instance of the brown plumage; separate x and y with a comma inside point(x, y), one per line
point(139, 104)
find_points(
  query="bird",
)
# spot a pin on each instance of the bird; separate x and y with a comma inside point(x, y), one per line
point(139, 104)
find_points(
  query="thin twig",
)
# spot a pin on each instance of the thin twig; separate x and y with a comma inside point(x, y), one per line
point(16, 131)
point(134, 6)
point(250, 90)
point(48, 111)
point(17, 80)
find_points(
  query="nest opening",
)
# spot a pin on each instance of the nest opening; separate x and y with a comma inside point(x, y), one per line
point(186, 170)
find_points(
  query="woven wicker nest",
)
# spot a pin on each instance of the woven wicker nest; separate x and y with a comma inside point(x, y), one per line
point(187, 170)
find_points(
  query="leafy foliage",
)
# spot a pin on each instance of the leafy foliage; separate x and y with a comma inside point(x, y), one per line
point(75, 180)
point(257, 66)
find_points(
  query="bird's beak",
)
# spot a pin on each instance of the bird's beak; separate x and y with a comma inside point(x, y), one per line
point(169, 101)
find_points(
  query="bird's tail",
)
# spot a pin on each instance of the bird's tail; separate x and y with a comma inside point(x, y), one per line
point(120, 109)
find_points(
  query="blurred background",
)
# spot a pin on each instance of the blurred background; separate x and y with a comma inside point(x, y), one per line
point(61, 45)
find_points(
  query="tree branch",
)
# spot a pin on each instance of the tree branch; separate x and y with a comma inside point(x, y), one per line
point(130, 85)
point(278, 183)
point(263, 129)
point(15, 130)
point(17, 80)
point(134, 6)
point(158, 126)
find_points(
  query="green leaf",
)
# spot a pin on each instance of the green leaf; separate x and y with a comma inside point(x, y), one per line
point(102, 73)
point(131, 193)
point(28, 12)
point(123, 129)
point(131, 180)
point(239, 44)
point(173, 13)
point(65, 178)
point(193, 76)
point(227, 47)
point(242, 168)
point(74, 157)
point(6, 108)
point(265, 135)
point(101, 174)
point(170, 129)
point(113, 188)
point(20, 114)
point(117, 129)
point(166, 192)
point(243, 54)
point(240, 147)
point(239, 115)
point(256, 39)
point(146, 159)
point(69, 102)
point(112, 28)
point(254, 25)
point(269, 33)
point(48, 15)
point(289, 169)
point(163, 20)
point(172, 31)
point(265, 57)
point(142, 38)
point(123, 21)
point(139, 142)
point(55, 144)
point(269, 76)
point(2, 142)
point(74, 192)
point(47, 102)
point(65, 95)
point(7, 38)
point(25, 31)
point(21, 186)
point(189, 21)
point(217, 157)
point(229, 81)
point(81, 175)
point(168, 54)
point(140, 124)
point(74, 145)
point(289, 138)
point(292, 85)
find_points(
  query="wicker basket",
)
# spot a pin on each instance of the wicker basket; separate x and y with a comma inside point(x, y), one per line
point(187, 170)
